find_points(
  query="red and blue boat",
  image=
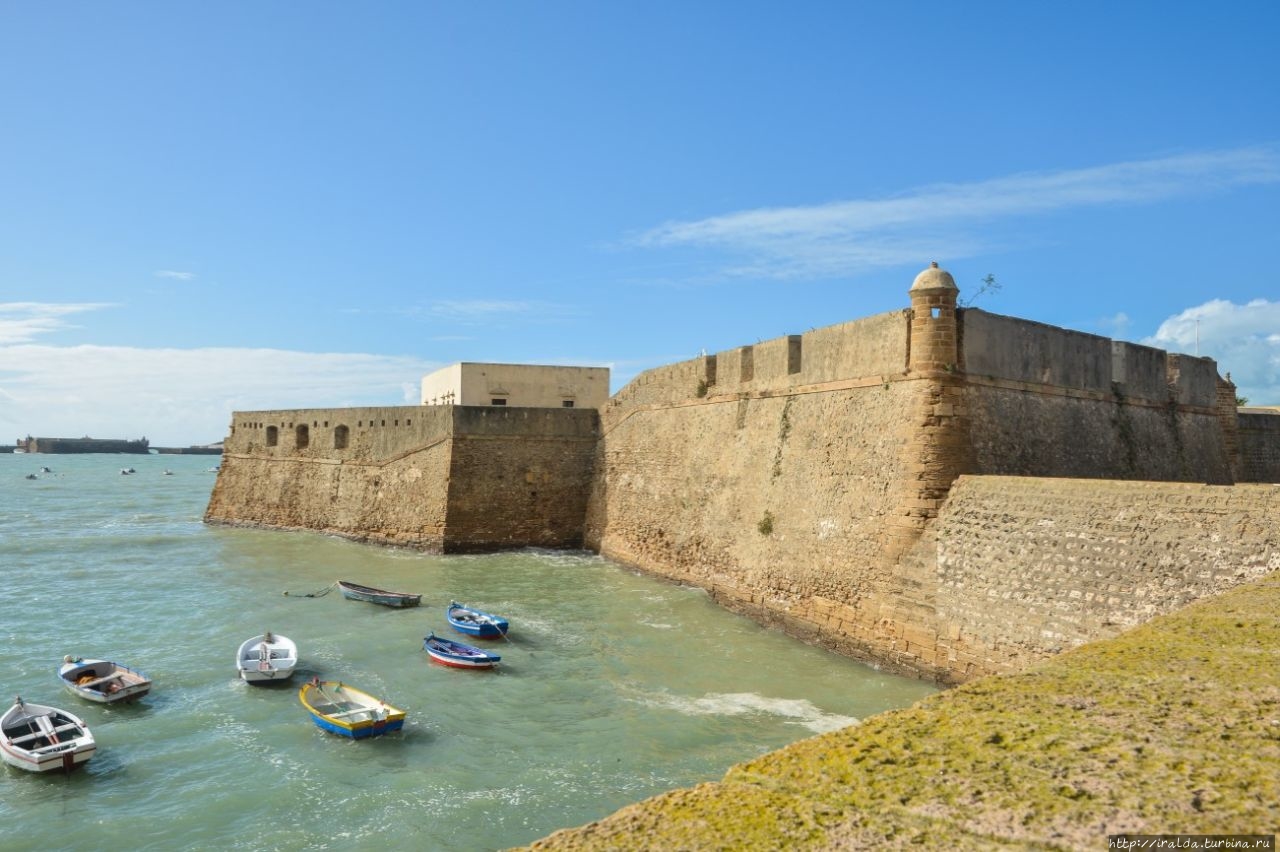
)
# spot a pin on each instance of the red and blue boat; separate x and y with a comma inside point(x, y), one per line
point(347, 711)
point(474, 622)
point(456, 654)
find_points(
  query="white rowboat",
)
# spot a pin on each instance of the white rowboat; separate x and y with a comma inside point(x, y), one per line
point(266, 658)
point(38, 738)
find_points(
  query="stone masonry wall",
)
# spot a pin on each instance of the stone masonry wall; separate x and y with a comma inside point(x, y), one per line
point(519, 477)
point(387, 485)
point(1035, 430)
point(1027, 567)
point(767, 474)
point(875, 346)
point(813, 506)
point(438, 478)
point(1259, 438)
point(776, 504)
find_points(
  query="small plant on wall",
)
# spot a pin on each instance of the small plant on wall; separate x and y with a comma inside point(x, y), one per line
point(766, 524)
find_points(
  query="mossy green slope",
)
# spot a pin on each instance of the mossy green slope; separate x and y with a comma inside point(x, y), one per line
point(1173, 727)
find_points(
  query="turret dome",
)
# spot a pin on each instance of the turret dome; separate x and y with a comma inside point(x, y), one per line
point(934, 278)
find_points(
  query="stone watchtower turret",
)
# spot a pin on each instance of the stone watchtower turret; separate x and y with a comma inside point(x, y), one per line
point(933, 321)
point(938, 448)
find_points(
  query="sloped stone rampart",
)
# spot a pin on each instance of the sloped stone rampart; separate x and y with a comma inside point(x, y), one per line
point(1029, 567)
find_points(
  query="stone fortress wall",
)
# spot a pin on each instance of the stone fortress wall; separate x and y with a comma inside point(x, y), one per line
point(1047, 401)
point(1259, 437)
point(431, 477)
point(943, 491)
point(808, 482)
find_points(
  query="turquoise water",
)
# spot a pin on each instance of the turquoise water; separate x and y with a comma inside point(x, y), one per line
point(613, 687)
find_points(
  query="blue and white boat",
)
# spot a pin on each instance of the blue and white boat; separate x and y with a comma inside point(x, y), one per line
point(474, 622)
point(347, 711)
point(458, 655)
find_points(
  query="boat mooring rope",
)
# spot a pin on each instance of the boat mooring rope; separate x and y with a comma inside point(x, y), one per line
point(318, 593)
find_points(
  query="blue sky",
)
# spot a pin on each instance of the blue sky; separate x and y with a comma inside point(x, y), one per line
point(235, 206)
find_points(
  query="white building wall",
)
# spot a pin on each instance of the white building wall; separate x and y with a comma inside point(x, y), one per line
point(519, 385)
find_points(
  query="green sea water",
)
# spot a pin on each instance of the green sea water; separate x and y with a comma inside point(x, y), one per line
point(613, 686)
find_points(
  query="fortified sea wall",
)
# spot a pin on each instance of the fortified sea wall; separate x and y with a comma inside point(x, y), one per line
point(808, 482)
point(438, 478)
point(943, 491)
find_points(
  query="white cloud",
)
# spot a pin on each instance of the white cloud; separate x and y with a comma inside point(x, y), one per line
point(1116, 326)
point(1243, 339)
point(942, 220)
point(178, 397)
point(22, 322)
point(180, 276)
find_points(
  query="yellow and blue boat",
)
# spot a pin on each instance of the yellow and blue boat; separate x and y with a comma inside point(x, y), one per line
point(347, 711)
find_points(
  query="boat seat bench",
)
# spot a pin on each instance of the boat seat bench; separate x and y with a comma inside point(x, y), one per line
point(61, 729)
point(347, 713)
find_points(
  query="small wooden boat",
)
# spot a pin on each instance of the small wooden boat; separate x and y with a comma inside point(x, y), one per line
point(356, 592)
point(102, 681)
point(41, 739)
point(347, 711)
point(269, 657)
point(474, 622)
point(458, 655)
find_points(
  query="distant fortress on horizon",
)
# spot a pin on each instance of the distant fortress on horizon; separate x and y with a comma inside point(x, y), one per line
point(103, 445)
point(937, 489)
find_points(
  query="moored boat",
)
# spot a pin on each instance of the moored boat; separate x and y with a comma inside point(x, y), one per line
point(39, 738)
point(349, 712)
point(474, 622)
point(458, 655)
point(357, 592)
point(265, 658)
point(102, 681)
